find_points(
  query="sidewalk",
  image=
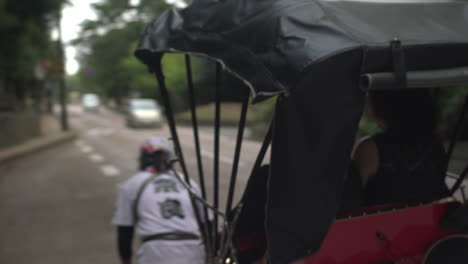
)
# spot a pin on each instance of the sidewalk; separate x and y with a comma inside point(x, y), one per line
point(56, 209)
point(51, 134)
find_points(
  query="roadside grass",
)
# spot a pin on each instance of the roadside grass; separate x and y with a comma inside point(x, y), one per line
point(230, 115)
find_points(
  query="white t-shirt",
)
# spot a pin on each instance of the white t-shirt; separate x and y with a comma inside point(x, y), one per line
point(164, 205)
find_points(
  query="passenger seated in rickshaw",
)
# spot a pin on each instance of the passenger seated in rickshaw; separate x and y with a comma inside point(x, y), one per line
point(407, 161)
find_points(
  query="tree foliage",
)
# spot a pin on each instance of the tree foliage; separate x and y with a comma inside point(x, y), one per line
point(24, 42)
point(107, 43)
point(450, 105)
point(108, 64)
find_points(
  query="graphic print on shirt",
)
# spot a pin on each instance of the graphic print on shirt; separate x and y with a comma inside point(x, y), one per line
point(165, 185)
point(170, 208)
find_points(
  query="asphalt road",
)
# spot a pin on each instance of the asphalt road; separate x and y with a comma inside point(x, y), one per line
point(57, 204)
point(56, 207)
point(106, 140)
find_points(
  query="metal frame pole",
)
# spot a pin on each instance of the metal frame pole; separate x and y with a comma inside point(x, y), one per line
point(175, 138)
point(197, 143)
point(216, 155)
point(195, 125)
point(237, 151)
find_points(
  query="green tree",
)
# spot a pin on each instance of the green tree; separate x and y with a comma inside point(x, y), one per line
point(450, 105)
point(101, 67)
point(106, 64)
point(24, 42)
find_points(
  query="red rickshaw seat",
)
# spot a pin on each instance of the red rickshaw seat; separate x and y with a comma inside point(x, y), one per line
point(396, 236)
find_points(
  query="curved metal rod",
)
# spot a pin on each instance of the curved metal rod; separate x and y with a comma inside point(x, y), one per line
point(459, 180)
point(170, 117)
point(216, 154)
point(195, 125)
point(415, 79)
point(227, 244)
point(193, 111)
point(258, 163)
point(171, 121)
point(235, 165)
point(237, 151)
point(193, 194)
point(197, 197)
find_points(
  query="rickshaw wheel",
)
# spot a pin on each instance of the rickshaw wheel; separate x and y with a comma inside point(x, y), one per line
point(451, 249)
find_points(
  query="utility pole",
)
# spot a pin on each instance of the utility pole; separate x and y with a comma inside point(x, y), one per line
point(61, 76)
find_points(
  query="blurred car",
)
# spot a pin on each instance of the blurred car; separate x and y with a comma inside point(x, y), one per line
point(143, 113)
point(90, 102)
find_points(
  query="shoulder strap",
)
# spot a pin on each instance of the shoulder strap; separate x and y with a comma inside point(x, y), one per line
point(139, 193)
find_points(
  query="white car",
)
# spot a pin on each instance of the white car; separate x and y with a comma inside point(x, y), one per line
point(90, 102)
point(144, 113)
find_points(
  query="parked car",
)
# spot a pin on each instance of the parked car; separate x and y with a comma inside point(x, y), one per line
point(90, 102)
point(143, 113)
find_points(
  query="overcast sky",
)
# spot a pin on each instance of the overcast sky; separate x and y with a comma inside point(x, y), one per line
point(73, 15)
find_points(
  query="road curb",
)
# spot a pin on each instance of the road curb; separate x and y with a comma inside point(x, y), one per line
point(35, 145)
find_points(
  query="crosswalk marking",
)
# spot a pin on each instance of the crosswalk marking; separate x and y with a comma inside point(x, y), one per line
point(100, 131)
point(110, 170)
point(96, 157)
point(86, 148)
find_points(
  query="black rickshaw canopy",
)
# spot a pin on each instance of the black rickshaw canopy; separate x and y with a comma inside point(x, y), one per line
point(270, 43)
point(319, 54)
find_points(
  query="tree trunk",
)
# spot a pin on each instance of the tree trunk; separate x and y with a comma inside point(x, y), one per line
point(20, 94)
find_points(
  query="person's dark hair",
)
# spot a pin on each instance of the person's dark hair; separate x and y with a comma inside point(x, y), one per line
point(412, 111)
point(158, 160)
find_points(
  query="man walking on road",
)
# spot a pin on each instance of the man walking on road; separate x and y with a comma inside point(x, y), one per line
point(157, 204)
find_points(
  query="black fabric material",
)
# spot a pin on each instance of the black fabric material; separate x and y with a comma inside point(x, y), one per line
point(410, 169)
point(124, 241)
point(268, 44)
point(252, 217)
point(457, 219)
point(312, 141)
point(313, 53)
point(353, 193)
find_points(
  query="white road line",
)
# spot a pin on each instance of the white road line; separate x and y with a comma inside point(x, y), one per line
point(86, 148)
point(100, 131)
point(79, 143)
point(96, 157)
point(110, 171)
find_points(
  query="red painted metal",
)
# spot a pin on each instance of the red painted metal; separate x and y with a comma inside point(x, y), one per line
point(400, 236)
point(255, 241)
